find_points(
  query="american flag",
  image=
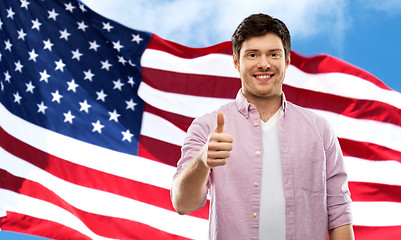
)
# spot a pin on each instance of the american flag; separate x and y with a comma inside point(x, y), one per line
point(93, 114)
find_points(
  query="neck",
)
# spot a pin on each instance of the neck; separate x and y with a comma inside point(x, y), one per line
point(266, 106)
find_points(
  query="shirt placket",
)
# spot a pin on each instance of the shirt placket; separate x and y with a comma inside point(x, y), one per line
point(256, 154)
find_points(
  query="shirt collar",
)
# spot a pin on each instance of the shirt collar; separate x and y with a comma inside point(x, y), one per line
point(244, 106)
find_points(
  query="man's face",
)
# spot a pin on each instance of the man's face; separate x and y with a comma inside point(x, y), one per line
point(262, 66)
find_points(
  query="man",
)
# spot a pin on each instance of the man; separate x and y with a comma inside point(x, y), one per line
point(273, 170)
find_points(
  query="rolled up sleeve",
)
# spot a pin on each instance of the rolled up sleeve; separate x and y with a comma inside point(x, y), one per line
point(338, 195)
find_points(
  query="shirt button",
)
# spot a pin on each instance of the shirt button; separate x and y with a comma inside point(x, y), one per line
point(251, 107)
point(256, 124)
point(258, 153)
point(254, 215)
point(256, 184)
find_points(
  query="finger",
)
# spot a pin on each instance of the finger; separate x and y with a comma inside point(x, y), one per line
point(220, 146)
point(218, 154)
point(221, 137)
point(220, 122)
point(215, 162)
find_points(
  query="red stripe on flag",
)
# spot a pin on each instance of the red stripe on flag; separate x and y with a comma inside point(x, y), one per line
point(374, 192)
point(159, 151)
point(191, 84)
point(329, 64)
point(350, 107)
point(179, 121)
point(111, 227)
point(368, 151)
point(181, 51)
point(377, 233)
point(21, 223)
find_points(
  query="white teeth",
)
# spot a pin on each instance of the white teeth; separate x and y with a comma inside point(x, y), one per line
point(263, 76)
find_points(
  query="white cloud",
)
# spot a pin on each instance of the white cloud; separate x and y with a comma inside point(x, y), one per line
point(203, 23)
point(305, 18)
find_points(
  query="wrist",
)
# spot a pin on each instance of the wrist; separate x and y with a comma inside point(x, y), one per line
point(201, 158)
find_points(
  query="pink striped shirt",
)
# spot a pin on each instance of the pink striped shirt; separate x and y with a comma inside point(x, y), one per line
point(315, 183)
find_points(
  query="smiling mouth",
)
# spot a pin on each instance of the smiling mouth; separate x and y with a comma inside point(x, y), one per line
point(263, 77)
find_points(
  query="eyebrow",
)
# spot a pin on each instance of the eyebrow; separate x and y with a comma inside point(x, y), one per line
point(276, 50)
point(257, 50)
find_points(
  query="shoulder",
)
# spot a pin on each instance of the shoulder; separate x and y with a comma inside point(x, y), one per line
point(309, 122)
point(198, 133)
point(208, 120)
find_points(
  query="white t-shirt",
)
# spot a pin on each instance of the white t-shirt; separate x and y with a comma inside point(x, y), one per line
point(272, 201)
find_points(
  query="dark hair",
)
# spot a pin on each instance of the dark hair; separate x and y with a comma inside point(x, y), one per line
point(258, 25)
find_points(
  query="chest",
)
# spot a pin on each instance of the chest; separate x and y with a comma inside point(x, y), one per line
point(300, 150)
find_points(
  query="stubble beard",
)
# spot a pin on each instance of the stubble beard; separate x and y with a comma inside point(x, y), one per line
point(262, 96)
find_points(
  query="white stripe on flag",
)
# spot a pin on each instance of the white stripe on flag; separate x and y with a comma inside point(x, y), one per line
point(376, 214)
point(185, 105)
point(342, 85)
point(381, 133)
point(384, 172)
point(161, 129)
point(22, 204)
point(214, 64)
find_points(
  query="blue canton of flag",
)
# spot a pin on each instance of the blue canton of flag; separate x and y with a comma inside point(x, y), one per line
point(72, 71)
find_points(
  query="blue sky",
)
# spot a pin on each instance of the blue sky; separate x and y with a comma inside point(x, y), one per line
point(364, 33)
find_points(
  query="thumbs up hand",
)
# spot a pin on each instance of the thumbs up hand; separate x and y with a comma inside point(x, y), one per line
point(219, 146)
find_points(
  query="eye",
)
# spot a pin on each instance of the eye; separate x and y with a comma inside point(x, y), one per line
point(275, 55)
point(252, 55)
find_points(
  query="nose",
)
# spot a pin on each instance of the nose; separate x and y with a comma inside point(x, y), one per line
point(263, 63)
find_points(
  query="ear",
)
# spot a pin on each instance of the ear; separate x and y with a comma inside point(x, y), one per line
point(236, 62)
point(287, 63)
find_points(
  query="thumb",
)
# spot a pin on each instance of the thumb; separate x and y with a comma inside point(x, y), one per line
point(220, 122)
